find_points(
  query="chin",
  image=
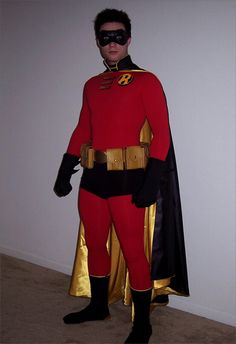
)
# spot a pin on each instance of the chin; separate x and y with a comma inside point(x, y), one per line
point(111, 62)
point(113, 59)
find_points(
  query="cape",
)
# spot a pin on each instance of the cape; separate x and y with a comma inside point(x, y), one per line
point(164, 244)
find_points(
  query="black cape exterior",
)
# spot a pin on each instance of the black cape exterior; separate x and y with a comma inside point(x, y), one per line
point(167, 256)
point(168, 250)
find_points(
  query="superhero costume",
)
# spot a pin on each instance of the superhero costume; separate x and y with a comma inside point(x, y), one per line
point(113, 118)
point(163, 221)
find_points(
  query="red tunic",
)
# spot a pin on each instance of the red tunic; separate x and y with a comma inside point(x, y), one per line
point(115, 106)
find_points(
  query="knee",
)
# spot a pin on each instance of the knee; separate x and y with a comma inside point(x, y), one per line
point(95, 243)
point(96, 248)
point(135, 257)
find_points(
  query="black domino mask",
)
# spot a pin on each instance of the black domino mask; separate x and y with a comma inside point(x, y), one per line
point(117, 36)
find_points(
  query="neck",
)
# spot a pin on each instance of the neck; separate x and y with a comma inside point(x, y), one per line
point(123, 64)
point(111, 66)
point(117, 65)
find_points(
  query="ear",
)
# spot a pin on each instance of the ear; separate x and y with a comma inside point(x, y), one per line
point(129, 41)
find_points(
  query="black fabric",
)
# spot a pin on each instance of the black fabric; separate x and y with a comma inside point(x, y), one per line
point(168, 254)
point(105, 37)
point(146, 193)
point(62, 185)
point(106, 184)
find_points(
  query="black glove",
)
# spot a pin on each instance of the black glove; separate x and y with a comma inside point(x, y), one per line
point(62, 185)
point(146, 193)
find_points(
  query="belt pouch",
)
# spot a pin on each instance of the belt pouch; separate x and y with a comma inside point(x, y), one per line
point(87, 156)
point(135, 157)
point(115, 160)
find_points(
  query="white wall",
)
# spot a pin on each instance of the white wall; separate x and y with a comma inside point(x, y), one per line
point(48, 52)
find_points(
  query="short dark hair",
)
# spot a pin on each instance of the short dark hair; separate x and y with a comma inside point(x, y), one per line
point(112, 15)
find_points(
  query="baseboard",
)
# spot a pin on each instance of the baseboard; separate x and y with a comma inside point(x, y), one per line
point(185, 304)
point(181, 303)
point(29, 257)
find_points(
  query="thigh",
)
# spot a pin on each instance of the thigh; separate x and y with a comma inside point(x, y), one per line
point(129, 222)
point(95, 215)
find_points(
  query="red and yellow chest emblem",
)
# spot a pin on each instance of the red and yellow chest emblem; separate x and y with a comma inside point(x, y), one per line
point(125, 79)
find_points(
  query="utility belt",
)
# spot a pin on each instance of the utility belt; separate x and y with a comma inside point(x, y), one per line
point(117, 159)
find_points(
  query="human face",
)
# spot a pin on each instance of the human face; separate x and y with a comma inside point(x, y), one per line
point(113, 52)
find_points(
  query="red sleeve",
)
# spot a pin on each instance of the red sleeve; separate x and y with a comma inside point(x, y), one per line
point(82, 132)
point(157, 115)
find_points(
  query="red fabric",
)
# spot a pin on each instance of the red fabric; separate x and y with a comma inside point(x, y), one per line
point(112, 115)
point(97, 215)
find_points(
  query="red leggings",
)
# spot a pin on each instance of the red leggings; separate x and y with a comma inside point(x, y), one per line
point(97, 214)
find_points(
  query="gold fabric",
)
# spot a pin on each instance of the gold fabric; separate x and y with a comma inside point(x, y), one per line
point(119, 278)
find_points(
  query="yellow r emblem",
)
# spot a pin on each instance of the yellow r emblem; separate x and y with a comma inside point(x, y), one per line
point(125, 79)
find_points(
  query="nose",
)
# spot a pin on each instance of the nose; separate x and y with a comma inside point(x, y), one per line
point(112, 44)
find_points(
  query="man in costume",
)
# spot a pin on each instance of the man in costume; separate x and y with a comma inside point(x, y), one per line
point(123, 176)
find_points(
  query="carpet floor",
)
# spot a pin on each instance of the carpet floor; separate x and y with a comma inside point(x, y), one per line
point(34, 299)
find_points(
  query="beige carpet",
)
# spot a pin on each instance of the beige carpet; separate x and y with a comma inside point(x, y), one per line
point(34, 300)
